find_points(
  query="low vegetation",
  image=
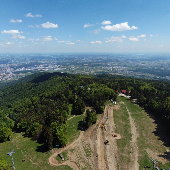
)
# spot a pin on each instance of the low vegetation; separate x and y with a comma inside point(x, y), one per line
point(62, 155)
point(28, 155)
point(72, 130)
point(121, 120)
point(149, 144)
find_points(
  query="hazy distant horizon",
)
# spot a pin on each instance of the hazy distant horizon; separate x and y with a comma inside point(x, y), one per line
point(90, 53)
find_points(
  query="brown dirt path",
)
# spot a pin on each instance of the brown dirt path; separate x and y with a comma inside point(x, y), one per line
point(107, 159)
point(103, 156)
point(52, 160)
point(101, 162)
point(111, 149)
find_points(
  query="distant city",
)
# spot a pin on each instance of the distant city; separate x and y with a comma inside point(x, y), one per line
point(140, 66)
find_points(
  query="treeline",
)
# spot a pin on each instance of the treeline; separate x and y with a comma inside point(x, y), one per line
point(152, 95)
point(39, 105)
point(154, 99)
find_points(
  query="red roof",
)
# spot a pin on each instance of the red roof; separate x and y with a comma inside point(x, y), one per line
point(123, 91)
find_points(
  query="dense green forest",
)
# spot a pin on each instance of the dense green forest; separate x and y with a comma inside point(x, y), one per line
point(153, 96)
point(40, 105)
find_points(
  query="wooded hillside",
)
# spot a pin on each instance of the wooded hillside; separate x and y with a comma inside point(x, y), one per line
point(39, 105)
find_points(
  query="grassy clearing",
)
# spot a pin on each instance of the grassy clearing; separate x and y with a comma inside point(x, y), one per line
point(26, 157)
point(26, 154)
point(123, 128)
point(72, 131)
point(64, 168)
point(147, 139)
point(65, 156)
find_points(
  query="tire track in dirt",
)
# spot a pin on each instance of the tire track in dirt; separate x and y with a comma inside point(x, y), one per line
point(135, 153)
point(52, 160)
point(111, 149)
point(106, 153)
point(104, 156)
point(100, 150)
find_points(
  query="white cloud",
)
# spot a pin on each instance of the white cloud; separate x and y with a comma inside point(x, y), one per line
point(30, 15)
point(48, 38)
point(96, 42)
point(137, 38)
point(67, 42)
point(15, 20)
point(105, 22)
point(88, 25)
point(18, 36)
point(123, 36)
point(11, 32)
point(70, 43)
point(142, 36)
point(133, 39)
point(115, 39)
point(8, 43)
point(119, 27)
point(49, 25)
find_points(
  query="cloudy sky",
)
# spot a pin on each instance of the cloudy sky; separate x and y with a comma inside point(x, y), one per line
point(114, 26)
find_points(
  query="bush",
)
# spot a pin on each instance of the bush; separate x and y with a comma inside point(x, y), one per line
point(91, 118)
point(5, 134)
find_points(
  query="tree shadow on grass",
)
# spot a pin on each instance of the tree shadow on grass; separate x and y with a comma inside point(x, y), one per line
point(166, 155)
point(162, 132)
point(82, 125)
point(42, 148)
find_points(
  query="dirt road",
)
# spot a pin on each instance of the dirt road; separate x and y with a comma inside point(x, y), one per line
point(52, 159)
point(106, 153)
point(103, 157)
point(111, 149)
point(100, 147)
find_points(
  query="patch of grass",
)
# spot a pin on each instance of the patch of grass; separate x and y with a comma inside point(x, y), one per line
point(65, 156)
point(121, 120)
point(64, 167)
point(72, 131)
point(26, 156)
point(87, 150)
point(146, 162)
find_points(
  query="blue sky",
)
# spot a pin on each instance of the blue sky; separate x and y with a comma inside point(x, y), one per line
point(113, 26)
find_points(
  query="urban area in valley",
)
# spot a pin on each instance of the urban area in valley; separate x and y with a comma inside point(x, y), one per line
point(154, 67)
